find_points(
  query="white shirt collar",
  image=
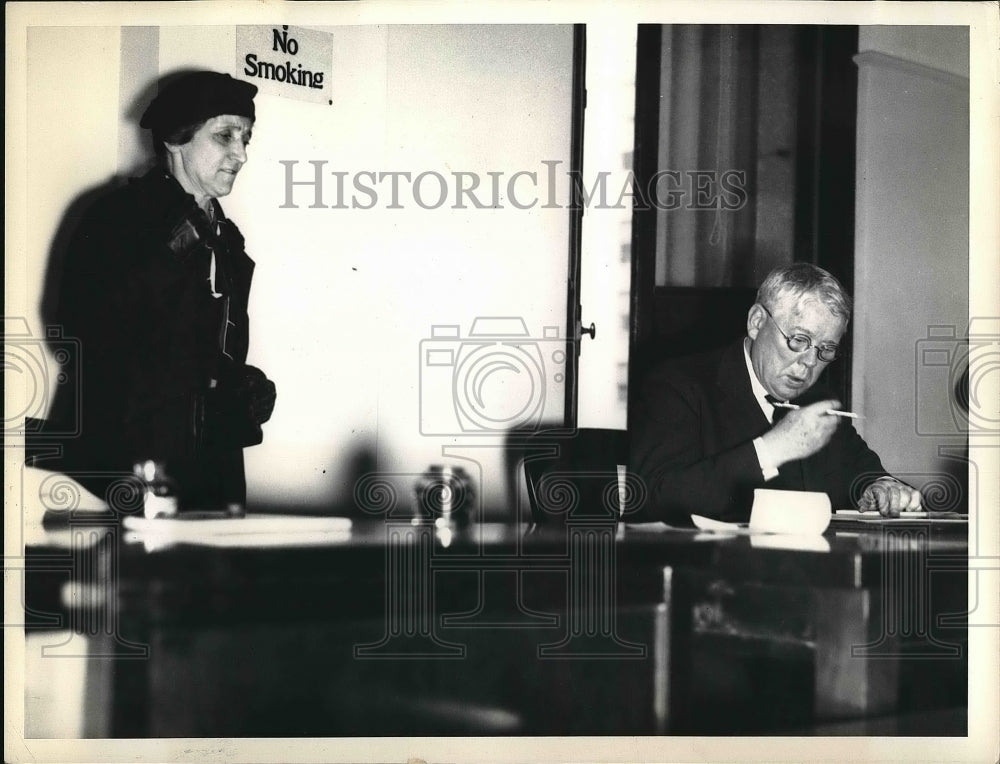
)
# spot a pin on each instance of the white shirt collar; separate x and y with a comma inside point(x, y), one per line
point(758, 389)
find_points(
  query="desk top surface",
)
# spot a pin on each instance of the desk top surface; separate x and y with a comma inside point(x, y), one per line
point(845, 556)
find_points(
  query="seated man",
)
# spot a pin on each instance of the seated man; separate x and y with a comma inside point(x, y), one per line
point(707, 431)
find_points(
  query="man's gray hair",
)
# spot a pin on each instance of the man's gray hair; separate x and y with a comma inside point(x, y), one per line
point(805, 280)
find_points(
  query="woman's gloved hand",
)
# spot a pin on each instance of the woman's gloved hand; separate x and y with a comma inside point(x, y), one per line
point(257, 393)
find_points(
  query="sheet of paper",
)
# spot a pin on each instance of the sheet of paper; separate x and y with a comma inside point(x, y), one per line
point(799, 513)
point(708, 524)
point(254, 530)
point(873, 516)
point(798, 543)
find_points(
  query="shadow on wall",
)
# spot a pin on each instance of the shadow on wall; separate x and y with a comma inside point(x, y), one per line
point(360, 463)
point(952, 493)
point(359, 467)
point(948, 486)
point(51, 287)
point(48, 308)
point(51, 439)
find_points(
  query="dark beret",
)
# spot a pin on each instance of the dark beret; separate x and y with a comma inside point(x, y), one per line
point(194, 97)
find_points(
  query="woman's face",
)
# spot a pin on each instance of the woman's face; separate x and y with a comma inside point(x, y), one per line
point(207, 165)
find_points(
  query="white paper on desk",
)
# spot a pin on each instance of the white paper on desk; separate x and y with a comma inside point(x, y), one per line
point(874, 516)
point(253, 530)
point(795, 513)
point(716, 529)
point(810, 543)
point(798, 513)
point(708, 524)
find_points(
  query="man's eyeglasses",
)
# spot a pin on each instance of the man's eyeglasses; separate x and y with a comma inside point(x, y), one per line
point(799, 343)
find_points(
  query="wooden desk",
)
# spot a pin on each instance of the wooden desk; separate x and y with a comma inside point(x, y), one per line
point(395, 629)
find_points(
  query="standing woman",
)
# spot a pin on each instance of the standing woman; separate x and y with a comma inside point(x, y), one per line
point(155, 288)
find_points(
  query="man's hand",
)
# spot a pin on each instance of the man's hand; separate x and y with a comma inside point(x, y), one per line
point(890, 497)
point(801, 433)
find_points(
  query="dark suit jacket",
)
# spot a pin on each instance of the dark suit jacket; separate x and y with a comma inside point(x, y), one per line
point(692, 443)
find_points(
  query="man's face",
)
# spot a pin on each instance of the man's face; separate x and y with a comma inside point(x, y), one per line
point(784, 373)
point(206, 166)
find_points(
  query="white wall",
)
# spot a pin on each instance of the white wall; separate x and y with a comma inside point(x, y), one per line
point(912, 241)
point(945, 48)
point(71, 140)
point(67, 136)
point(342, 299)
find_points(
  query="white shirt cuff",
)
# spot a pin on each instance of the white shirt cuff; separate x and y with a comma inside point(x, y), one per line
point(767, 467)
